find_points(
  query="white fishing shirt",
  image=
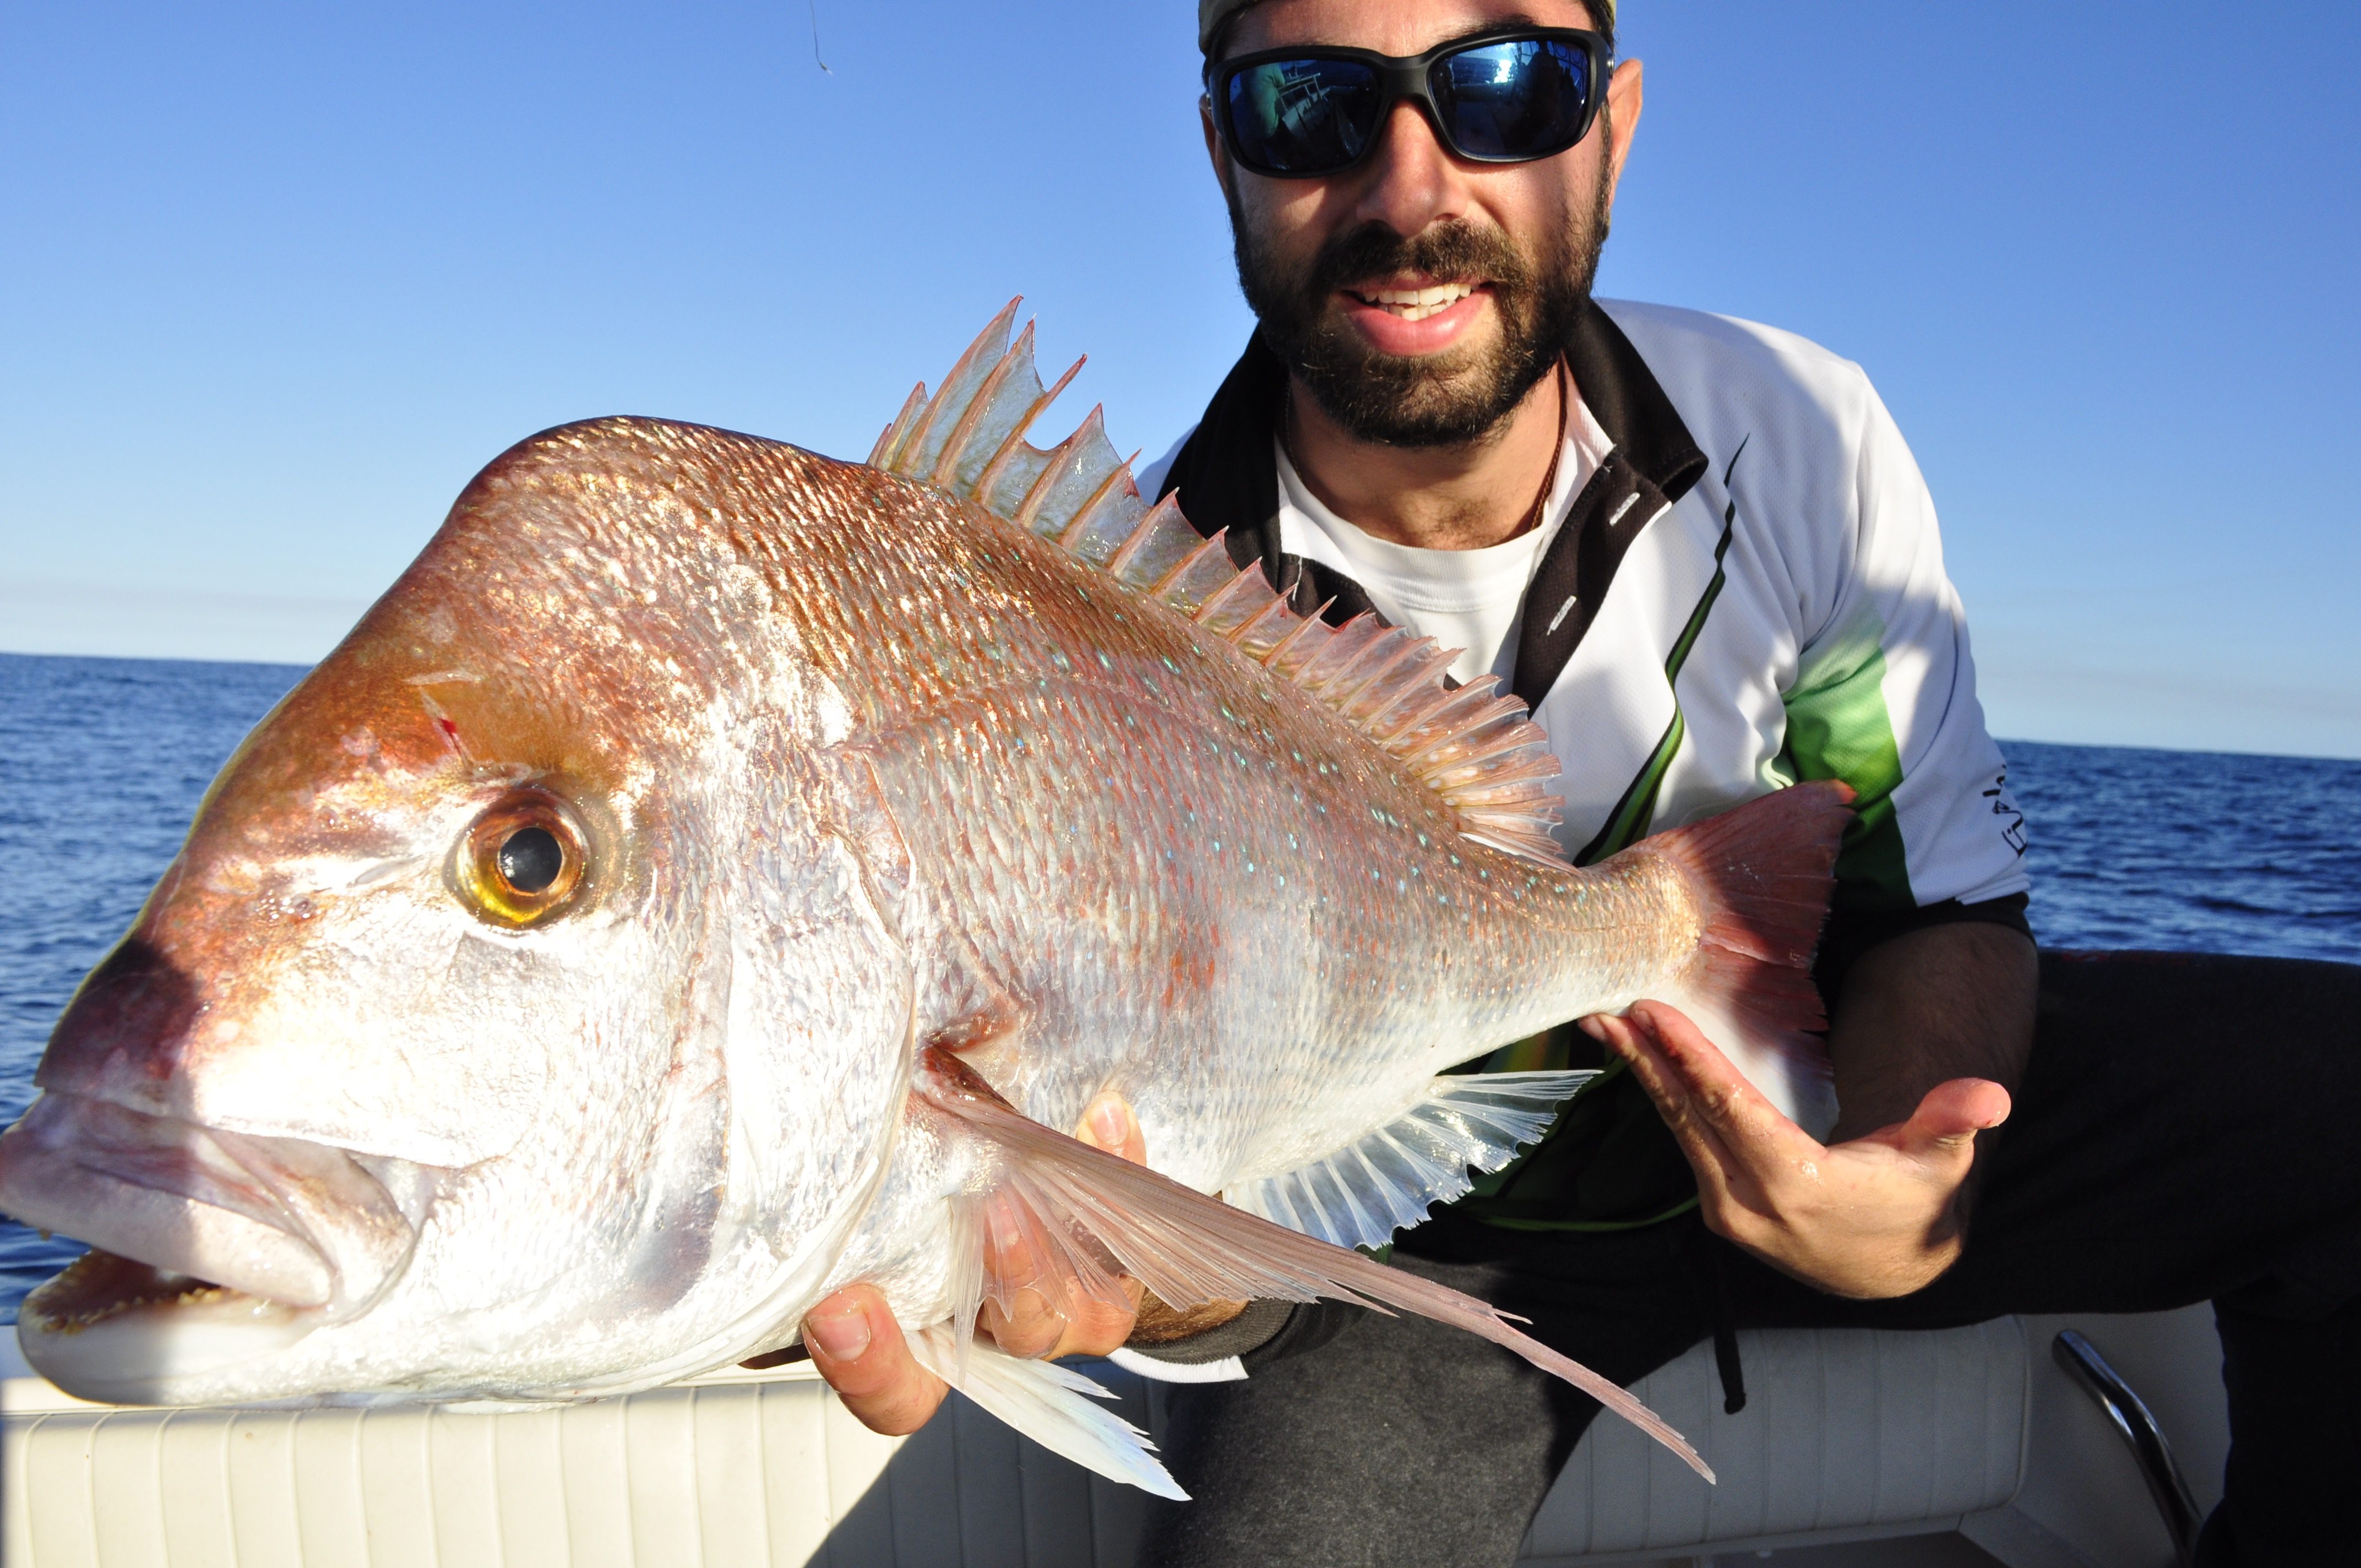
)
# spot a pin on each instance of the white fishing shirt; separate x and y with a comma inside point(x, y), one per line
point(1787, 616)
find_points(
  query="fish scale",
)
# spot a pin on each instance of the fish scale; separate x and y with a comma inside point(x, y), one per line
point(901, 807)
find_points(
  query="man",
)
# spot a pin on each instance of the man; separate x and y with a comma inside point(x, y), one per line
point(1701, 552)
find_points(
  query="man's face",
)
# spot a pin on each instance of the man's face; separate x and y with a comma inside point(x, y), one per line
point(1333, 266)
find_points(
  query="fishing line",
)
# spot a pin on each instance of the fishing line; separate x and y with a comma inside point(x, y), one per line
point(813, 4)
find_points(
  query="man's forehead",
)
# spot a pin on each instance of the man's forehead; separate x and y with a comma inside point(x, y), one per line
point(1390, 26)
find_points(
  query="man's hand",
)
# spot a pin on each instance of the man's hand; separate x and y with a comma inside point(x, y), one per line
point(858, 1347)
point(1874, 1217)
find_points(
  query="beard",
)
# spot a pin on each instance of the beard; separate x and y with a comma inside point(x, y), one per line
point(1452, 398)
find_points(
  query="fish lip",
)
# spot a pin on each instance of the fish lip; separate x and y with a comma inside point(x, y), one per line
point(306, 1226)
point(116, 1331)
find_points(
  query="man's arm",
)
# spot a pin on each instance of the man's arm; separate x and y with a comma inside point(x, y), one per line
point(1942, 1003)
point(1931, 1033)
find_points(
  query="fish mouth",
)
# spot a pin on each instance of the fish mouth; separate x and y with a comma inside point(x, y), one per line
point(208, 1246)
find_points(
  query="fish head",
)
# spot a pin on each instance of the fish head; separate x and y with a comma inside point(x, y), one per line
point(520, 1018)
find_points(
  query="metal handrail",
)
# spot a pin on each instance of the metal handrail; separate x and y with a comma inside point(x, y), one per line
point(2166, 1484)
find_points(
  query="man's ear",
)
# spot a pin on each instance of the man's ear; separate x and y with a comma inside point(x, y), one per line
point(1214, 150)
point(1623, 102)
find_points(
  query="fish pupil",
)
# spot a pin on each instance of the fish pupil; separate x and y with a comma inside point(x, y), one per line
point(530, 859)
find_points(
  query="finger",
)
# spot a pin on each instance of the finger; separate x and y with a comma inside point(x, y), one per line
point(1098, 1327)
point(856, 1344)
point(1945, 1124)
point(1036, 1321)
point(1109, 1124)
point(1737, 1111)
point(1028, 1276)
point(1714, 1164)
point(1678, 1099)
point(1095, 1327)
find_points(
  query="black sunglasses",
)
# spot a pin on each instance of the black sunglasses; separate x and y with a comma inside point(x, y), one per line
point(1499, 97)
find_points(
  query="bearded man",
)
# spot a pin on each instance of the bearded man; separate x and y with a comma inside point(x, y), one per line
point(1700, 550)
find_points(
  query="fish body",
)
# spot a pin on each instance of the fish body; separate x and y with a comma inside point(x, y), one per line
point(698, 880)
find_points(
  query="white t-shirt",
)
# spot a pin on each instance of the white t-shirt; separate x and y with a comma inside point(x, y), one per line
point(1468, 599)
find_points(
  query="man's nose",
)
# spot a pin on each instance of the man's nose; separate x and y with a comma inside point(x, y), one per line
point(1410, 179)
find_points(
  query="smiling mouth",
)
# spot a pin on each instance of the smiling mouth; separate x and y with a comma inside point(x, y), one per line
point(1415, 304)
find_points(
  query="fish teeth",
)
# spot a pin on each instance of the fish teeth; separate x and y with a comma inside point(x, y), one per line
point(1417, 304)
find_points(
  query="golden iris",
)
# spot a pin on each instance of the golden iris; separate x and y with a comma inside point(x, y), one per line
point(523, 862)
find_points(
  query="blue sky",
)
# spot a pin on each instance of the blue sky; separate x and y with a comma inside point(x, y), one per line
point(275, 281)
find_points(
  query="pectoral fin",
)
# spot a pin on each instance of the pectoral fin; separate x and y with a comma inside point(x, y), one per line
point(1093, 1213)
point(1049, 1404)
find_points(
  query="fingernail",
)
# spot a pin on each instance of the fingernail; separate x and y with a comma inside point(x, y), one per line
point(1110, 1123)
point(843, 1334)
point(1591, 1027)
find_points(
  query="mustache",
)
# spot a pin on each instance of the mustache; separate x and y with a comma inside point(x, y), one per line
point(1452, 249)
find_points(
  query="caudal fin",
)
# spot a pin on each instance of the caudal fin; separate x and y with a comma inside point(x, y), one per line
point(1096, 1211)
point(1763, 873)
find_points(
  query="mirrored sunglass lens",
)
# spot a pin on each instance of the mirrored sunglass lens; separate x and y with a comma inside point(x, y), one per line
point(1518, 98)
point(1302, 116)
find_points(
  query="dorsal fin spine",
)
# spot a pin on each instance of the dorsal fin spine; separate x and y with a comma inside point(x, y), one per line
point(1478, 696)
point(1343, 695)
point(888, 444)
point(1203, 577)
point(1275, 610)
point(997, 332)
point(1369, 657)
point(1119, 564)
point(1222, 596)
point(1164, 584)
point(1374, 695)
point(1420, 714)
point(1013, 441)
point(1066, 455)
point(947, 465)
point(1232, 613)
point(1318, 618)
point(1474, 746)
point(1341, 648)
point(1508, 740)
point(1088, 511)
point(1405, 691)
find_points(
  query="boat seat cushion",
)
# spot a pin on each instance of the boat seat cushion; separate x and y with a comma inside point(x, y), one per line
point(1843, 1429)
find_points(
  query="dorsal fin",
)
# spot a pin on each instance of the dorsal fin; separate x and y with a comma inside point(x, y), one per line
point(1473, 747)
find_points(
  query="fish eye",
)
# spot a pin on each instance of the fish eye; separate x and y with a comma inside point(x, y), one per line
point(523, 860)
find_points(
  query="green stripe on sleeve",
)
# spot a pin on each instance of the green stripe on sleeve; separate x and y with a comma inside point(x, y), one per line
point(1837, 728)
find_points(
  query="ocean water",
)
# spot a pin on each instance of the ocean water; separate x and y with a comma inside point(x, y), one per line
point(103, 762)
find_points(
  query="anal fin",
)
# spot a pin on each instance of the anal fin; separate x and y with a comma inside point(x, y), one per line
point(1098, 1211)
point(1363, 1193)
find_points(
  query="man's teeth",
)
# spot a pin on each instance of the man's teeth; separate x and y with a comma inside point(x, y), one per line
point(1417, 304)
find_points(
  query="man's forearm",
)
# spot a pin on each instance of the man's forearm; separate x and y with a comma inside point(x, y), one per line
point(1947, 1001)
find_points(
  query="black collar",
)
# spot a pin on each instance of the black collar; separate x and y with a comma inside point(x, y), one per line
point(1226, 479)
point(1622, 395)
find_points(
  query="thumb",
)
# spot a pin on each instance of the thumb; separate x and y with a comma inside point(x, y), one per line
point(1108, 1124)
point(1953, 1113)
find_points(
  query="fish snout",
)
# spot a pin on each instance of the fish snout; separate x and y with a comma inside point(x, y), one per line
point(123, 1035)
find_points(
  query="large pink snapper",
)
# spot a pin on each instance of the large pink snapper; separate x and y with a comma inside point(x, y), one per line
point(696, 883)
